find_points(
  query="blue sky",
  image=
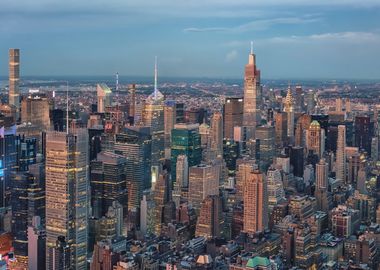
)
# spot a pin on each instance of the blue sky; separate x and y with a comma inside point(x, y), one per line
point(193, 38)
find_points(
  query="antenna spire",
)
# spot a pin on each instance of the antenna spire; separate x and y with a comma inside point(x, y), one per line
point(117, 81)
point(155, 77)
point(251, 47)
point(67, 107)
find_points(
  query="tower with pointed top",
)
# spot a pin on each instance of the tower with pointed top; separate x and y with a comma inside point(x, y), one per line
point(252, 94)
point(289, 109)
point(153, 117)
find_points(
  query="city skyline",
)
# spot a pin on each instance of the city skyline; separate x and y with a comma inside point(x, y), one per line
point(336, 39)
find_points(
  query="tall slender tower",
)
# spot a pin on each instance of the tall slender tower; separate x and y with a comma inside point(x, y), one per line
point(255, 200)
point(321, 186)
point(67, 195)
point(340, 166)
point(153, 117)
point(289, 109)
point(252, 95)
point(14, 80)
point(217, 134)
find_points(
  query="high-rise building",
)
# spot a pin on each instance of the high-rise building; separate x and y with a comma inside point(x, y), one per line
point(135, 145)
point(299, 102)
point(35, 110)
point(195, 115)
point(210, 218)
point(161, 196)
point(67, 195)
point(303, 124)
point(108, 183)
point(344, 221)
point(132, 101)
point(182, 178)
point(362, 133)
point(21, 187)
point(8, 163)
point(281, 122)
point(289, 110)
point(321, 186)
point(153, 117)
point(185, 141)
point(36, 245)
point(104, 97)
point(266, 136)
point(338, 105)
point(310, 102)
point(276, 193)
point(255, 200)
point(297, 160)
point(232, 115)
point(340, 166)
point(203, 181)
point(14, 80)
point(216, 133)
point(252, 95)
point(59, 255)
point(244, 167)
point(170, 118)
point(315, 139)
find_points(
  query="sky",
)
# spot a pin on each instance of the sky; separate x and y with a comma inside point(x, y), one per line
point(306, 39)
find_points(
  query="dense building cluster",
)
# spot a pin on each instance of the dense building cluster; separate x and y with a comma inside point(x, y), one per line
point(268, 182)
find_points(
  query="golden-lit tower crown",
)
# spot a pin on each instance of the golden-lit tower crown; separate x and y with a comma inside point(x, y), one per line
point(289, 100)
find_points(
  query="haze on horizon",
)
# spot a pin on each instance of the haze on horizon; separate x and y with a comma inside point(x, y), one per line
point(292, 38)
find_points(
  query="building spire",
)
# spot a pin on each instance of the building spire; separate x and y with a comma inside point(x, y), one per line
point(67, 107)
point(155, 77)
point(251, 47)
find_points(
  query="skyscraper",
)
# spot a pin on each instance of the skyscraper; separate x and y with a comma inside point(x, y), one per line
point(182, 178)
point(321, 186)
point(161, 196)
point(362, 133)
point(14, 80)
point(169, 120)
point(289, 110)
point(36, 245)
point(203, 181)
point(108, 183)
point(216, 133)
point(299, 104)
point(132, 101)
point(210, 218)
point(135, 145)
point(185, 141)
point(67, 195)
point(255, 203)
point(276, 193)
point(244, 167)
point(281, 122)
point(232, 115)
point(104, 97)
point(252, 95)
point(315, 138)
point(35, 110)
point(153, 117)
point(267, 143)
point(340, 166)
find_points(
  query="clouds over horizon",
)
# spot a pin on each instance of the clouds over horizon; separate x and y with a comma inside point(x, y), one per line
point(192, 38)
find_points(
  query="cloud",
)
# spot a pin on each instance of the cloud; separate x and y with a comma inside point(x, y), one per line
point(351, 37)
point(257, 25)
point(231, 56)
